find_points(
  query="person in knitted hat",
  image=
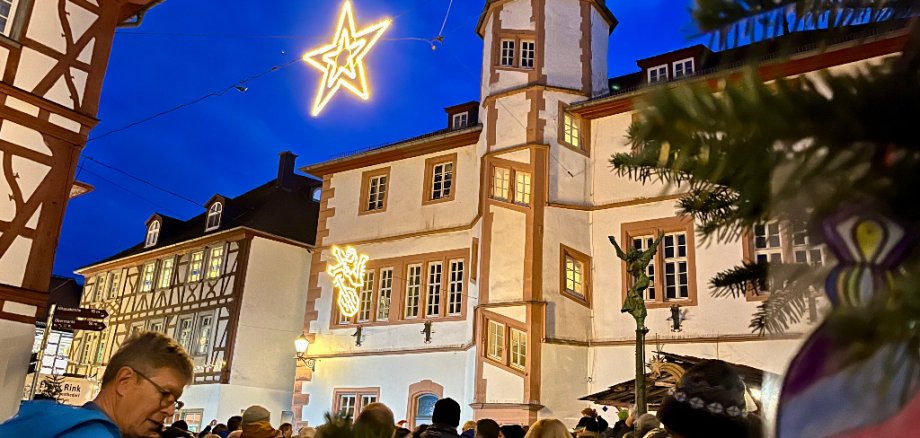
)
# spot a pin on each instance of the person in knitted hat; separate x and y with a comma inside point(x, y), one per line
point(257, 423)
point(708, 402)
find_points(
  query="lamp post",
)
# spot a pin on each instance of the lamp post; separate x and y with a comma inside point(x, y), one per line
point(301, 344)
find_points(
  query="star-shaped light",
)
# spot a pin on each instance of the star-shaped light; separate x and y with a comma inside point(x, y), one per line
point(342, 60)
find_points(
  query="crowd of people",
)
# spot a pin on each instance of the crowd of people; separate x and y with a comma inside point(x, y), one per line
point(145, 378)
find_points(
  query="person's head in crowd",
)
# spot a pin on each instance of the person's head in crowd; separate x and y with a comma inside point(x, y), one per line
point(487, 428)
point(708, 402)
point(257, 423)
point(512, 431)
point(233, 423)
point(287, 430)
point(419, 430)
point(375, 421)
point(646, 423)
point(446, 413)
point(469, 425)
point(548, 428)
point(143, 382)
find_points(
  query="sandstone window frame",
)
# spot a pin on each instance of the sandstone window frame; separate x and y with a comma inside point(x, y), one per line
point(651, 227)
point(567, 253)
point(572, 127)
point(366, 178)
point(429, 190)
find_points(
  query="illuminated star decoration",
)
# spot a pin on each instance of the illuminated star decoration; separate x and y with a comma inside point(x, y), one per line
point(347, 276)
point(342, 61)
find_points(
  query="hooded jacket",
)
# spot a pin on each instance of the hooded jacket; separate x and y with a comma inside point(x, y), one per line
point(438, 430)
point(49, 419)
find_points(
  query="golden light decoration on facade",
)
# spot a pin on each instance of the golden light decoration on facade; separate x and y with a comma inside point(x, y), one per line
point(347, 277)
point(342, 60)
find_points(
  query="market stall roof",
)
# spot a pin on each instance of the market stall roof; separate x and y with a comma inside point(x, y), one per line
point(657, 383)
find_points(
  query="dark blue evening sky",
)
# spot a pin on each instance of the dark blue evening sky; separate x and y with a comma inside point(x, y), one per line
point(228, 144)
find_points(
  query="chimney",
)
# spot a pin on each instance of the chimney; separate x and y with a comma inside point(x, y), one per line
point(285, 169)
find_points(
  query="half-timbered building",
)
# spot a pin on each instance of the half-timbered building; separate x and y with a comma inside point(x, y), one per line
point(53, 57)
point(491, 278)
point(228, 284)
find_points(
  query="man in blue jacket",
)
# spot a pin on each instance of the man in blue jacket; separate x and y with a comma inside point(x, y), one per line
point(141, 387)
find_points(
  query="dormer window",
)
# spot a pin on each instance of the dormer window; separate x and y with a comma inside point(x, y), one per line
point(683, 68)
point(460, 120)
point(214, 216)
point(658, 74)
point(153, 234)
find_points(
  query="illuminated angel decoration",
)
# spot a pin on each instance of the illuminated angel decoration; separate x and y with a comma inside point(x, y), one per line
point(347, 277)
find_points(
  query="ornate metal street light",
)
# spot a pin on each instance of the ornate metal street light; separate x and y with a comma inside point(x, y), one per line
point(301, 344)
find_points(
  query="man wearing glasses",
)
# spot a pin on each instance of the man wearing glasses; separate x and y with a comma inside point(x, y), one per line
point(140, 390)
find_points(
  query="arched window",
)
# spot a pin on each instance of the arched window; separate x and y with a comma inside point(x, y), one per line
point(424, 408)
point(214, 216)
point(153, 234)
point(317, 194)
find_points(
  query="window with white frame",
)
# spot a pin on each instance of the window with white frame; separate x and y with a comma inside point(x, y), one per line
point(522, 188)
point(114, 282)
point(195, 264)
point(501, 183)
point(214, 214)
point(376, 192)
point(803, 250)
point(413, 290)
point(367, 297)
point(147, 277)
point(676, 266)
point(99, 291)
point(137, 327)
point(768, 243)
point(86, 356)
point(166, 273)
point(385, 294)
point(7, 15)
point(571, 130)
point(455, 288)
point(184, 331)
point(204, 334)
point(215, 262)
point(460, 120)
point(157, 326)
point(367, 399)
point(658, 74)
point(528, 52)
point(518, 349)
point(507, 53)
point(574, 276)
point(643, 243)
point(495, 341)
point(433, 299)
point(352, 401)
point(100, 348)
point(683, 68)
point(442, 175)
point(347, 404)
point(153, 234)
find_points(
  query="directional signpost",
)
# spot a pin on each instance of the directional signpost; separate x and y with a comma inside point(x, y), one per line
point(67, 318)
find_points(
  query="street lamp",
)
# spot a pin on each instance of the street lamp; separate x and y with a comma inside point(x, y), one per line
point(300, 345)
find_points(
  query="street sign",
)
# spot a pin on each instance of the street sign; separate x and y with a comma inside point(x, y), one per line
point(80, 312)
point(72, 324)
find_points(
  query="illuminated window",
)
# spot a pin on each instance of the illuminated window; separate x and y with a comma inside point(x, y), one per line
point(367, 297)
point(352, 401)
point(455, 292)
point(496, 341)
point(528, 51)
point(460, 120)
point(521, 188)
point(643, 243)
point(683, 68)
point(114, 282)
point(413, 290)
point(166, 273)
point(99, 290)
point(571, 130)
point(196, 262)
point(676, 279)
point(153, 232)
point(214, 214)
point(433, 299)
point(574, 276)
point(507, 54)
point(7, 14)
point(147, 277)
point(215, 262)
point(385, 294)
point(501, 183)
point(518, 348)
point(671, 271)
point(205, 331)
point(658, 74)
point(100, 349)
point(184, 332)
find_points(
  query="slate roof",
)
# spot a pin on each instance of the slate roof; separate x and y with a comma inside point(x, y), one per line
point(281, 208)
